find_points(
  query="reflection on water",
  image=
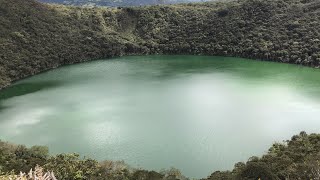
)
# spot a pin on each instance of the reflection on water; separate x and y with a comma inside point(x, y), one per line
point(25, 88)
point(198, 114)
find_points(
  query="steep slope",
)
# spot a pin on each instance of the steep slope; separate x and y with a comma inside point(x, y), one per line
point(35, 37)
point(117, 2)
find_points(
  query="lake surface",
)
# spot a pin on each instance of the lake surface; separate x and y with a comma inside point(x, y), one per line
point(196, 113)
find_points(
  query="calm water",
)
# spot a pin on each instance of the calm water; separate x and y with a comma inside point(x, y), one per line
point(198, 114)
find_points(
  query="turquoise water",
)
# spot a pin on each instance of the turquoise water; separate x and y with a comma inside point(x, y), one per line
point(196, 113)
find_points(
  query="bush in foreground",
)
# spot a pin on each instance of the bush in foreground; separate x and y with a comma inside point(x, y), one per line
point(298, 158)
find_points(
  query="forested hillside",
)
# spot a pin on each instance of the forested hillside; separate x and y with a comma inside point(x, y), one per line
point(117, 2)
point(35, 37)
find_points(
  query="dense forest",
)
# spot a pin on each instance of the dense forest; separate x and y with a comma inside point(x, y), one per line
point(35, 37)
point(297, 158)
point(117, 3)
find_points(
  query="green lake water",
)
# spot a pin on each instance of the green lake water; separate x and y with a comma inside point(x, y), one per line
point(195, 113)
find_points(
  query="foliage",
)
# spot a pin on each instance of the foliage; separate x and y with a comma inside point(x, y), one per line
point(17, 158)
point(37, 174)
point(294, 159)
point(117, 2)
point(36, 37)
point(298, 158)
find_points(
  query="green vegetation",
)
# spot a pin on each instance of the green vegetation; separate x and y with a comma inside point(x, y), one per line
point(18, 158)
point(117, 2)
point(297, 158)
point(35, 37)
